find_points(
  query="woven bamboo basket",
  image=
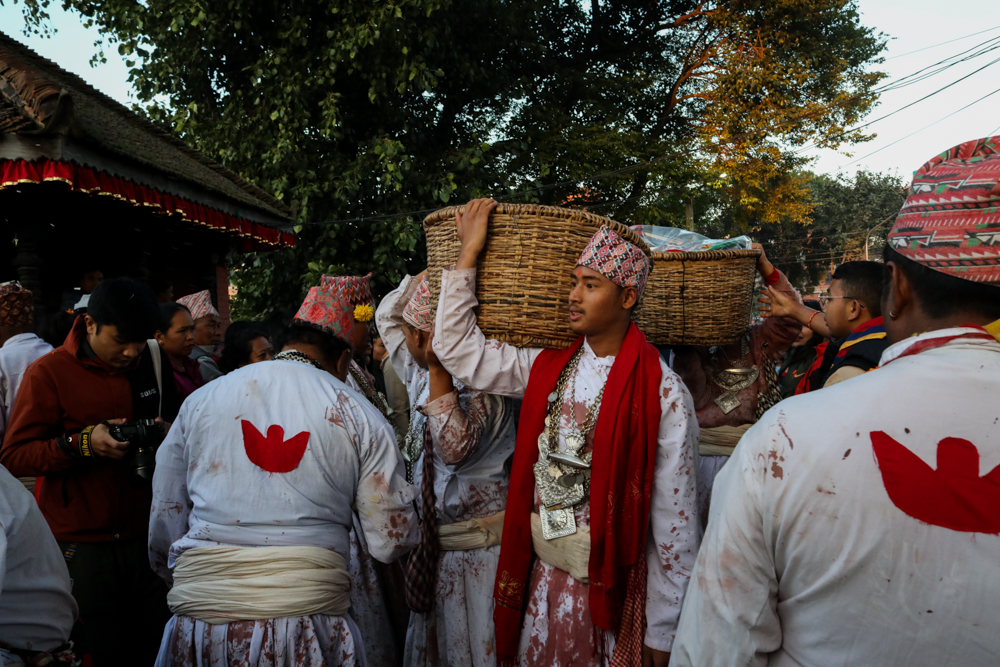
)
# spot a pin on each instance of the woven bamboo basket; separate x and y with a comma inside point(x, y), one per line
point(699, 298)
point(524, 271)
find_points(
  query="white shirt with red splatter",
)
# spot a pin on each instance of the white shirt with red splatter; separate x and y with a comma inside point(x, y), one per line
point(277, 454)
point(860, 524)
point(557, 627)
point(474, 435)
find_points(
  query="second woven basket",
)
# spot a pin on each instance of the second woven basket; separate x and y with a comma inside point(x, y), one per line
point(699, 298)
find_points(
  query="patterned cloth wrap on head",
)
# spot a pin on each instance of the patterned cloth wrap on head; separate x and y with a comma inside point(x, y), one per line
point(418, 312)
point(17, 309)
point(327, 311)
point(621, 262)
point(357, 289)
point(199, 303)
point(950, 222)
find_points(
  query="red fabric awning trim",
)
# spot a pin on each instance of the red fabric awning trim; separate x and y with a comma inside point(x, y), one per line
point(252, 236)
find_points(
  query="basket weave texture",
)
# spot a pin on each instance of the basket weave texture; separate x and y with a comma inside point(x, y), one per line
point(523, 273)
point(699, 298)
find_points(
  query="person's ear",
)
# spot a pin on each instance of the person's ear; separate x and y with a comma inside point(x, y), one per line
point(629, 296)
point(900, 295)
point(344, 363)
point(91, 325)
point(159, 336)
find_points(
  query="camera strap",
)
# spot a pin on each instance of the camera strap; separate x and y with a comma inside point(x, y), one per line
point(154, 353)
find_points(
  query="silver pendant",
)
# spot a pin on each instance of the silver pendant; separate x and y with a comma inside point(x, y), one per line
point(574, 443)
point(728, 402)
point(557, 523)
point(552, 397)
point(569, 459)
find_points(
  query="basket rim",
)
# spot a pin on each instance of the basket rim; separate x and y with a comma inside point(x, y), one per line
point(706, 255)
point(623, 230)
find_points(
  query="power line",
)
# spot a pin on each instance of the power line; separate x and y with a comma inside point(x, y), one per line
point(922, 129)
point(933, 46)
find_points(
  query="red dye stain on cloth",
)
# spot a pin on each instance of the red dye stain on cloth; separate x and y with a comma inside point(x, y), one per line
point(953, 496)
point(273, 453)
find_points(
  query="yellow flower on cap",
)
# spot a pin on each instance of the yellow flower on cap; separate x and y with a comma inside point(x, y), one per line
point(364, 313)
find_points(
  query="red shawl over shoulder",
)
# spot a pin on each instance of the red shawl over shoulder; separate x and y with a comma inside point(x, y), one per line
point(624, 457)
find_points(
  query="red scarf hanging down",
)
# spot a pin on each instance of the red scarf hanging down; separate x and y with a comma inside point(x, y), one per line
point(621, 485)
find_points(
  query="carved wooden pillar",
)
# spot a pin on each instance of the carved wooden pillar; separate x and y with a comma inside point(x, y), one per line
point(29, 270)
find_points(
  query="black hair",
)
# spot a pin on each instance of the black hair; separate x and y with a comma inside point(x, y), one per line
point(812, 303)
point(167, 312)
point(126, 304)
point(159, 284)
point(862, 280)
point(941, 294)
point(331, 346)
point(238, 344)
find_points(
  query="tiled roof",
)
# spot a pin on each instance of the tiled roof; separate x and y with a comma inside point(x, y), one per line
point(37, 95)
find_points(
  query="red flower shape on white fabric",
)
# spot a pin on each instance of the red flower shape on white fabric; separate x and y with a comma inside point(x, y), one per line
point(273, 453)
point(953, 496)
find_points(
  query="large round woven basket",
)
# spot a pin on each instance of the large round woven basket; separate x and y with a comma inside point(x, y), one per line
point(699, 298)
point(523, 274)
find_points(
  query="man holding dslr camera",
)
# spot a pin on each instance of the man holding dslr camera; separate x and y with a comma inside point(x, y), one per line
point(102, 380)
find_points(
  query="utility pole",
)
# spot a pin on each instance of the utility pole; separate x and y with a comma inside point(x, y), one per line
point(868, 234)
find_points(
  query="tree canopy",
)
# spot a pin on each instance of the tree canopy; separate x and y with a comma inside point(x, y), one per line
point(352, 110)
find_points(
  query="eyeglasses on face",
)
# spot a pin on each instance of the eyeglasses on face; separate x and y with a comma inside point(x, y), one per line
point(824, 299)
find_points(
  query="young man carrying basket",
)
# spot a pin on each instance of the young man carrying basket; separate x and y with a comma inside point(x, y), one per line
point(602, 486)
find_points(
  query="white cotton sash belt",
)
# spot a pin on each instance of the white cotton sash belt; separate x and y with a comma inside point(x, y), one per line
point(471, 534)
point(569, 554)
point(224, 584)
point(720, 440)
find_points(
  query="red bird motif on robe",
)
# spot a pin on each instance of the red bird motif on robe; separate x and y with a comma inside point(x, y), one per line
point(953, 496)
point(273, 453)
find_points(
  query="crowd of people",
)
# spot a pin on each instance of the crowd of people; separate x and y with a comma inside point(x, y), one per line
point(387, 486)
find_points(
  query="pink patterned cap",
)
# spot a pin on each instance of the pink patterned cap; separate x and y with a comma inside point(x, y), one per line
point(357, 289)
point(950, 222)
point(418, 312)
point(621, 262)
point(327, 311)
point(199, 303)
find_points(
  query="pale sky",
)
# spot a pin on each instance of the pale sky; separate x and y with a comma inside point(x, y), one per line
point(912, 24)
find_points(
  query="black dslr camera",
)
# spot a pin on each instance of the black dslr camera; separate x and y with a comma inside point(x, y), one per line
point(146, 435)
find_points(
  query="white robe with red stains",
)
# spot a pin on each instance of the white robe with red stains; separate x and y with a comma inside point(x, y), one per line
point(369, 607)
point(474, 435)
point(846, 529)
point(208, 489)
point(557, 630)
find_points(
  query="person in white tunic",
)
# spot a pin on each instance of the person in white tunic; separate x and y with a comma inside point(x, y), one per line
point(37, 609)
point(860, 525)
point(19, 346)
point(376, 601)
point(603, 590)
point(254, 492)
point(472, 437)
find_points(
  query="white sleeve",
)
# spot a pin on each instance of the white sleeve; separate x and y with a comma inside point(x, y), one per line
point(734, 590)
point(675, 528)
point(389, 320)
point(171, 508)
point(384, 500)
point(484, 365)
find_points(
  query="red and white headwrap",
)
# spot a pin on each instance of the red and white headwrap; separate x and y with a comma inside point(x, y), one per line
point(950, 222)
point(618, 260)
point(327, 311)
point(418, 312)
point(17, 307)
point(199, 303)
point(357, 289)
